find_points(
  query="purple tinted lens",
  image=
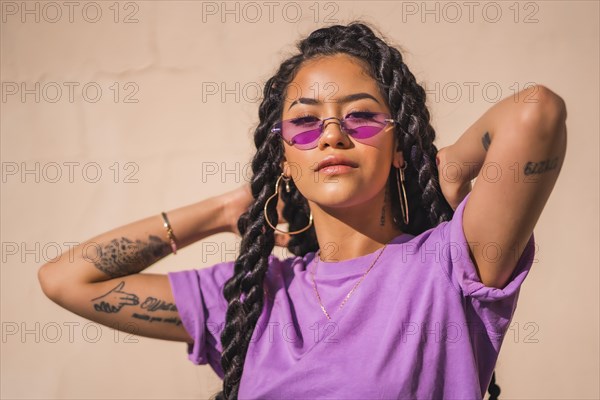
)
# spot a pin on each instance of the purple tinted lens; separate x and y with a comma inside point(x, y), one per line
point(300, 133)
point(364, 132)
point(307, 137)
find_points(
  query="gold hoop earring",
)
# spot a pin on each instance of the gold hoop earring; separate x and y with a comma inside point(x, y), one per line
point(402, 194)
point(287, 187)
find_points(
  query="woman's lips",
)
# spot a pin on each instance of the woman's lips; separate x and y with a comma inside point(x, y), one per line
point(335, 161)
point(337, 169)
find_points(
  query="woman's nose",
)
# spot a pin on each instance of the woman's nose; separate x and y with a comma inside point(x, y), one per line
point(333, 134)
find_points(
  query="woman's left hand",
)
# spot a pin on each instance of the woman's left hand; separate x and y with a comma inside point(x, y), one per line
point(452, 180)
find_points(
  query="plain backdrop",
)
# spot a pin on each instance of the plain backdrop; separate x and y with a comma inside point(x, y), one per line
point(115, 111)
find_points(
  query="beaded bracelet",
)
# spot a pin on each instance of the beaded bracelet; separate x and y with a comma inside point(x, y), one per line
point(170, 234)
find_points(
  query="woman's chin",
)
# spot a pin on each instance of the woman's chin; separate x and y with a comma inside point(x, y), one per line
point(339, 199)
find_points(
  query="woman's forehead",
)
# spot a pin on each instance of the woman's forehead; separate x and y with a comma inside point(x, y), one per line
point(332, 79)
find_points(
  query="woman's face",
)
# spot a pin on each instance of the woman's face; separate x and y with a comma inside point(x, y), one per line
point(321, 89)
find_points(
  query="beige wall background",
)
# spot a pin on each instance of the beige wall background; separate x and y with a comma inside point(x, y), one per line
point(114, 111)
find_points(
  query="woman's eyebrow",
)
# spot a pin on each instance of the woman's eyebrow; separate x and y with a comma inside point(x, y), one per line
point(345, 99)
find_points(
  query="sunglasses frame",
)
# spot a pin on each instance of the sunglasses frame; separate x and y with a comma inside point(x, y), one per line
point(277, 128)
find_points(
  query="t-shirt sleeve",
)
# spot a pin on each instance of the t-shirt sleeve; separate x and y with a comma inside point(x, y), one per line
point(493, 306)
point(198, 295)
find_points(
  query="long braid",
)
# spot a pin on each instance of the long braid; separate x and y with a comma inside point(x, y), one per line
point(244, 291)
point(249, 270)
point(493, 389)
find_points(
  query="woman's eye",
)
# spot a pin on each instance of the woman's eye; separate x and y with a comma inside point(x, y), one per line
point(361, 115)
point(304, 120)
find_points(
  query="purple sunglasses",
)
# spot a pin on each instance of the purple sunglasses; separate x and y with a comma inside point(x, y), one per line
point(304, 132)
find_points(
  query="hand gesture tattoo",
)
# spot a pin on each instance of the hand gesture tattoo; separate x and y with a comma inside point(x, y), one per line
point(113, 301)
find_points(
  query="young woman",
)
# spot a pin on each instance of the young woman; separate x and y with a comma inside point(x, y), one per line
point(404, 277)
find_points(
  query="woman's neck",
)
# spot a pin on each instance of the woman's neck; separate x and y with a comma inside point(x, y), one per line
point(347, 233)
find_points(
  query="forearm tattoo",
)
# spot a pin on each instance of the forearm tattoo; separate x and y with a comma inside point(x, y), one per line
point(486, 141)
point(123, 256)
point(115, 299)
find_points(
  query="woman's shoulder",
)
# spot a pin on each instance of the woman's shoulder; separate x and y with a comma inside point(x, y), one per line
point(281, 261)
point(282, 256)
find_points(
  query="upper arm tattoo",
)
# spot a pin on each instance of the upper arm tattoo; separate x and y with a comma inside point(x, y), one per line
point(540, 167)
point(486, 141)
point(125, 257)
point(154, 304)
point(115, 299)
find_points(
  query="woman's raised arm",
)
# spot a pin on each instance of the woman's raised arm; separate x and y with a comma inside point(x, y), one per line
point(516, 150)
point(100, 280)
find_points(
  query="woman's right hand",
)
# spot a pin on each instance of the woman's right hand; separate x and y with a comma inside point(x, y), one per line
point(237, 202)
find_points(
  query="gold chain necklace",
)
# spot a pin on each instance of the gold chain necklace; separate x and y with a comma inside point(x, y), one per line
point(351, 291)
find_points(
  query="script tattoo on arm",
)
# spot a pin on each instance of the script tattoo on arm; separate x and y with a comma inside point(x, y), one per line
point(541, 166)
point(154, 304)
point(123, 256)
point(113, 301)
point(486, 141)
point(168, 320)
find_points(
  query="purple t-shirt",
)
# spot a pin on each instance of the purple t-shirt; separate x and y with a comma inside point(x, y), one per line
point(421, 324)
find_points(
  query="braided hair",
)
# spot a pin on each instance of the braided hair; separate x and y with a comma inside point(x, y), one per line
point(244, 291)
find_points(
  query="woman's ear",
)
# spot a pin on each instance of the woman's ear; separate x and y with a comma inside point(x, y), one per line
point(291, 170)
point(398, 160)
point(285, 167)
